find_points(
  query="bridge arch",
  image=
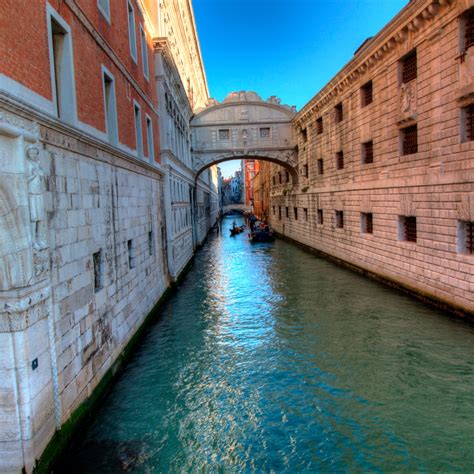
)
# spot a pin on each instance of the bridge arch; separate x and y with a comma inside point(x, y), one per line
point(244, 126)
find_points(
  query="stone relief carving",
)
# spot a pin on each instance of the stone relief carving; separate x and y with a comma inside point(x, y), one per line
point(36, 189)
point(407, 101)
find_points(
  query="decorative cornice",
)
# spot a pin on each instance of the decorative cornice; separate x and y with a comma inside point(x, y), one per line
point(415, 16)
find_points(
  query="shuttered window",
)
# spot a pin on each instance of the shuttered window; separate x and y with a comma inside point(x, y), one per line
point(409, 67)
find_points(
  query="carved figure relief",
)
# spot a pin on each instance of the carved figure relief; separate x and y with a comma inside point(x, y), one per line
point(36, 189)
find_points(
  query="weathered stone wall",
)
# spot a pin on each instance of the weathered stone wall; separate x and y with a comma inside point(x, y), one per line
point(435, 184)
point(64, 320)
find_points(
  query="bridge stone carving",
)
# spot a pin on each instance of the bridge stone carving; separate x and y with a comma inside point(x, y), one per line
point(244, 126)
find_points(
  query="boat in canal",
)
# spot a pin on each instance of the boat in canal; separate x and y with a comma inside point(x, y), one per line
point(236, 230)
point(261, 232)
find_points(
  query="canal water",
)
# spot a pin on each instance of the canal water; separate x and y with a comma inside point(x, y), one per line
point(269, 359)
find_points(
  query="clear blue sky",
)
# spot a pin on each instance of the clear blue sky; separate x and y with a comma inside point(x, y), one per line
point(287, 48)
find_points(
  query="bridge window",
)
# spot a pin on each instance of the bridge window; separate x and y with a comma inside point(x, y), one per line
point(366, 223)
point(265, 132)
point(320, 166)
point(339, 160)
point(339, 219)
point(338, 113)
point(319, 125)
point(320, 217)
point(224, 134)
point(366, 94)
point(368, 152)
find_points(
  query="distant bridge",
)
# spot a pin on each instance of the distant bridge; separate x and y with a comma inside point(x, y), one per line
point(236, 207)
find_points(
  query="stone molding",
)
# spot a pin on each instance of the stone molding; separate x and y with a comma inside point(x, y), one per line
point(414, 17)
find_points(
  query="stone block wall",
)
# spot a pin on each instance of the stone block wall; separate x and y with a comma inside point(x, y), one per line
point(434, 184)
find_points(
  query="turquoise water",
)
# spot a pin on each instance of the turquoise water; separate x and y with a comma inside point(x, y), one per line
point(270, 359)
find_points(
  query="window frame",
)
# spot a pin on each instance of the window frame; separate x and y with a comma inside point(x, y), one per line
point(144, 48)
point(132, 35)
point(363, 94)
point(111, 119)
point(138, 129)
point(405, 76)
point(150, 138)
point(105, 13)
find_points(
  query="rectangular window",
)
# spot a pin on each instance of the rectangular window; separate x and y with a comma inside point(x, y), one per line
point(320, 217)
point(305, 171)
point(273, 180)
point(320, 166)
point(224, 134)
point(98, 270)
point(368, 152)
point(279, 177)
point(295, 212)
point(110, 105)
point(279, 213)
point(305, 213)
point(131, 254)
point(104, 8)
point(408, 67)
point(409, 140)
point(339, 160)
point(61, 67)
point(150, 243)
point(287, 175)
point(339, 219)
point(467, 121)
point(138, 130)
point(366, 223)
point(366, 94)
point(338, 113)
point(144, 46)
point(265, 132)
point(132, 35)
point(319, 125)
point(273, 210)
point(304, 135)
point(468, 24)
point(149, 139)
point(466, 237)
point(407, 228)
point(287, 213)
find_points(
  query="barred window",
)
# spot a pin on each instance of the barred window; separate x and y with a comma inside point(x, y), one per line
point(98, 270)
point(366, 94)
point(368, 152)
point(320, 217)
point(305, 212)
point(295, 211)
point(320, 166)
point(339, 160)
point(319, 125)
point(366, 222)
point(407, 228)
point(466, 237)
point(224, 134)
point(469, 237)
point(287, 175)
point(265, 132)
point(338, 113)
point(304, 135)
point(279, 177)
point(131, 254)
point(409, 67)
point(273, 210)
point(273, 180)
point(339, 219)
point(469, 29)
point(468, 119)
point(409, 140)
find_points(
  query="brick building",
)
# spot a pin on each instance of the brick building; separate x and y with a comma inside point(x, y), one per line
point(386, 157)
point(251, 168)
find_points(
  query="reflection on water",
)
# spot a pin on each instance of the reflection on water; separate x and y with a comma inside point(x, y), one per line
point(272, 359)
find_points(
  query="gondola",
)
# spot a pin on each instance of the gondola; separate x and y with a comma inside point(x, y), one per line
point(236, 230)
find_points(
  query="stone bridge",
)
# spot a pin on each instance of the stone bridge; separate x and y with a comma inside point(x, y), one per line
point(236, 207)
point(244, 126)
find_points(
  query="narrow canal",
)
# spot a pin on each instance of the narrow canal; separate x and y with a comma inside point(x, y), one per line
point(270, 359)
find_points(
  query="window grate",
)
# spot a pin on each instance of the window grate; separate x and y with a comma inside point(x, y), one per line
point(339, 115)
point(287, 212)
point(409, 226)
point(470, 237)
point(224, 134)
point(368, 152)
point(409, 67)
point(340, 160)
point(366, 94)
point(410, 140)
point(469, 34)
point(320, 166)
point(97, 262)
point(470, 122)
point(319, 126)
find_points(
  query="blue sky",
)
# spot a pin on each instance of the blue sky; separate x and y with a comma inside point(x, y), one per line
point(287, 48)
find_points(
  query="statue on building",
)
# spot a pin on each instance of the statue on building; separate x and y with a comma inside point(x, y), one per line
point(36, 189)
